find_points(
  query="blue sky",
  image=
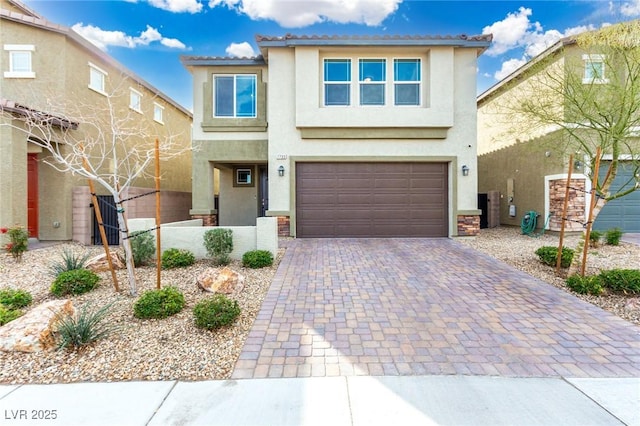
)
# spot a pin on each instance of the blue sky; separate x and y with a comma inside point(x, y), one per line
point(148, 36)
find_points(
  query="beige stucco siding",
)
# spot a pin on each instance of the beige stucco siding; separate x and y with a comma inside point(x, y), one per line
point(286, 109)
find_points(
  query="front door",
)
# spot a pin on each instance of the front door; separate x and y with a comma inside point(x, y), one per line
point(32, 195)
point(263, 189)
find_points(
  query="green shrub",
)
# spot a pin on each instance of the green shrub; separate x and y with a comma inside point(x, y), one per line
point(143, 247)
point(159, 303)
point(548, 255)
point(75, 331)
point(177, 258)
point(69, 262)
point(215, 312)
point(7, 314)
point(257, 259)
point(15, 299)
point(77, 281)
point(590, 284)
point(219, 244)
point(594, 238)
point(613, 236)
point(623, 280)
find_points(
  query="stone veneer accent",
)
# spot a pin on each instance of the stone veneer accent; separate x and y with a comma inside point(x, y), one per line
point(576, 206)
point(468, 225)
point(207, 219)
point(284, 226)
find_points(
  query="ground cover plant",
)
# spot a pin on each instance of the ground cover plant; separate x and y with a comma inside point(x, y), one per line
point(549, 255)
point(77, 281)
point(159, 304)
point(215, 312)
point(257, 259)
point(177, 258)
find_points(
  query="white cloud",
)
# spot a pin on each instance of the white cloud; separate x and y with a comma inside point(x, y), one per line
point(510, 32)
point(178, 6)
point(103, 39)
point(508, 67)
point(516, 31)
point(288, 13)
point(631, 8)
point(240, 50)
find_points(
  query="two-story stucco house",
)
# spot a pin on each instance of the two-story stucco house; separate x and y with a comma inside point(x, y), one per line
point(528, 163)
point(45, 64)
point(340, 136)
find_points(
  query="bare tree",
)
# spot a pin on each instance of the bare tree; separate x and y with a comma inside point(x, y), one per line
point(108, 143)
point(583, 98)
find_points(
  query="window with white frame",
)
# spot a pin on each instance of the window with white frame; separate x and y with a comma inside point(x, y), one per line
point(594, 69)
point(135, 100)
point(97, 79)
point(19, 61)
point(158, 111)
point(406, 81)
point(337, 82)
point(372, 77)
point(234, 96)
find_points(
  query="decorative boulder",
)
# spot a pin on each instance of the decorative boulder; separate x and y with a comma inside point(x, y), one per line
point(33, 332)
point(99, 263)
point(225, 280)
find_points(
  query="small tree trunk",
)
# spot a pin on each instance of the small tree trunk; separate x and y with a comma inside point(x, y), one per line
point(126, 245)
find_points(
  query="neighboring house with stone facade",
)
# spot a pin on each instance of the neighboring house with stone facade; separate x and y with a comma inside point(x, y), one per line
point(340, 136)
point(528, 170)
point(39, 60)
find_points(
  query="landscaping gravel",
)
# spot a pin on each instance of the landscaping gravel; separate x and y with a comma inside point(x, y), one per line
point(174, 349)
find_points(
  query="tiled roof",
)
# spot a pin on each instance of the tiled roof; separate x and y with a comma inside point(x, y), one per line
point(374, 39)
point(221, 60)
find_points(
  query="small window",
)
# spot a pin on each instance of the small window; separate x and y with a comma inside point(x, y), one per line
point(19, 61)
point(158, 111)
point(372, 76)
point(235, 96)
point(337, 82)
point(243, 176)
point(135, 100)
point(97, 79)
point(594, 69)
point(406, 77)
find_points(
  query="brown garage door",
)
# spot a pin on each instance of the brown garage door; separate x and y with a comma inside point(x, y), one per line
point(371, 200)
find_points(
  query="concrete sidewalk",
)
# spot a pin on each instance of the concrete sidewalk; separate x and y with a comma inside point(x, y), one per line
point(354, 400)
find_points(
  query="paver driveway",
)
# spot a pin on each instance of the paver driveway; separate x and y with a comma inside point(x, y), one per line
point(426, 306)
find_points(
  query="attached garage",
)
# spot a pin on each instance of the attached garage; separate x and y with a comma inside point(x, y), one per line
point(623, 213)
point(372, 200)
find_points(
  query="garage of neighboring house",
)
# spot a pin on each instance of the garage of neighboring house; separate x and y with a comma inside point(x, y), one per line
point(623, 213)
point(349, 199)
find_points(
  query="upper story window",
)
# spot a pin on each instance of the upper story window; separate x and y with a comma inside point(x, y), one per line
point(97, 79)
point(135, 100)
point(372, 76)
point(158, 111)
point(337, 82)
point(406, 81)
point(234, 96)
point(594, 69)
point(19, 61)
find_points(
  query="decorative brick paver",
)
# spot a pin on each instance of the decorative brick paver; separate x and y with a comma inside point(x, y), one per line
point(345, 307)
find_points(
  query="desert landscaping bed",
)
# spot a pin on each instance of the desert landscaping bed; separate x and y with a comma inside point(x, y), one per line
point(175, 349)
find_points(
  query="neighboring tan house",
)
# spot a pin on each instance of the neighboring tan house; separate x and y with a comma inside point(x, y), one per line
point(527, 170)
point(340, 136)
point(43, 63)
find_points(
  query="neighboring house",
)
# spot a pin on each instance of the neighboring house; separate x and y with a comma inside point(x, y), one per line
point(527, 170)
point(340, 136)
point(42, 61)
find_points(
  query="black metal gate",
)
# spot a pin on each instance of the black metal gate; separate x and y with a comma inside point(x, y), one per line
point(109, 219)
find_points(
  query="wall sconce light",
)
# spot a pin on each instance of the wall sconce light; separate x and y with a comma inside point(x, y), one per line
point(577, 165)
point(281, 171)
point(465, 170)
